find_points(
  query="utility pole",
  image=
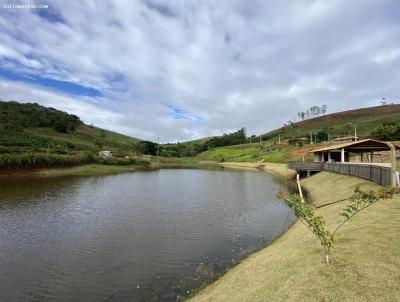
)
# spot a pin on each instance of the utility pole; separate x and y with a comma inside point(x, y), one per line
point(350, 128)
point(355, 133)
point(311, 141)
point(158, 148)
point(279, 142)
point(260, 139)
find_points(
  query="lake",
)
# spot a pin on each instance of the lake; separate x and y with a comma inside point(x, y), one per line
point(142, 236)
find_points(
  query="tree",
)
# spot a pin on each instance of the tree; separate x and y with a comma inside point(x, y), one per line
point(146, 147)
point(234, 138)
point(316, 224)
point(301, 115)
point(60, 126)
point(386, 132)
point(315, 110)
point(322, 135)
point(324, 108)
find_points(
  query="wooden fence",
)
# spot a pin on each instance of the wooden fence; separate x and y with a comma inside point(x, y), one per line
point(306, 166)
point(378, 174)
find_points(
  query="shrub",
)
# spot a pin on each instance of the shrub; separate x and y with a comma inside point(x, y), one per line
point(42, 160)
point(121, 161)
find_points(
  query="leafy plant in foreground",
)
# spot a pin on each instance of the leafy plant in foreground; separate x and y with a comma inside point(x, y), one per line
point(316, 224)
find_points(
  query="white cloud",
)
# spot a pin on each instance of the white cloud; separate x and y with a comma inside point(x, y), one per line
point(226, 64)
point(387, 56)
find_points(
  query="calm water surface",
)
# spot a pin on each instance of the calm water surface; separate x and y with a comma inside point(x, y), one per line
point(131, 237)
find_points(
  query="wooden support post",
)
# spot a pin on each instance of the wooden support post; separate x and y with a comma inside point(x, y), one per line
point(393, 162)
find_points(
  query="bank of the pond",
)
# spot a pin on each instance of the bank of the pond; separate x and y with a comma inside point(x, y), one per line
point(106, 169)
point(365, 266)
point(84, 170)
point(274, 168)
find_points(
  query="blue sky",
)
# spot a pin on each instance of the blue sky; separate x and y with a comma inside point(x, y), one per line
point(181, 70)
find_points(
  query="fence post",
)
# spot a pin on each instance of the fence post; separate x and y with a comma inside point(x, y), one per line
point(370, 173)
point(299, 187)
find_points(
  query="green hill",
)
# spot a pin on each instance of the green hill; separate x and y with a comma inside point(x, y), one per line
point(34, 128)
point(340, 123)
point(335, 124)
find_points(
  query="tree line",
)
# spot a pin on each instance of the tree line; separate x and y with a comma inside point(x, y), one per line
point(313, 111)
point(191, 149)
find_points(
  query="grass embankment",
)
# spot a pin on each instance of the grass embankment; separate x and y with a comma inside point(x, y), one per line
point(63, 165)
point(274, 168)
point(365, 266)
point(266, 152)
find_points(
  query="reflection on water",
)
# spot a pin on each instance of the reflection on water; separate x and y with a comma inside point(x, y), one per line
point(133, 236)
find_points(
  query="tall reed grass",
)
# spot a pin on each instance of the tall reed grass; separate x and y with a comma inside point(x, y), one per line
point(42, 160)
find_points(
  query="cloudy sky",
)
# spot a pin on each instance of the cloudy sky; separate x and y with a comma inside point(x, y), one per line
point(186, 69)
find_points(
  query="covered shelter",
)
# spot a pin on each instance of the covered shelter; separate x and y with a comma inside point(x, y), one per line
point(365, 151)
point(370, 159)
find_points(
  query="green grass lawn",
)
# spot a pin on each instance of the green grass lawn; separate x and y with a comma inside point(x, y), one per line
point(83, 139)
point(267, 152)
point(365, 264)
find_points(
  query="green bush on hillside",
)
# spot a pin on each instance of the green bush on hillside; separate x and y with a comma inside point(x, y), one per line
point(16, 116)
point(387, 132)
point(121, 161)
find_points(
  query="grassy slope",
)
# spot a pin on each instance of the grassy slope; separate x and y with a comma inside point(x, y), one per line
point(365, 263)
point(83, 138)
point(366, 119)
point(274, 168)
point(267, 152)
point(26, 127)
